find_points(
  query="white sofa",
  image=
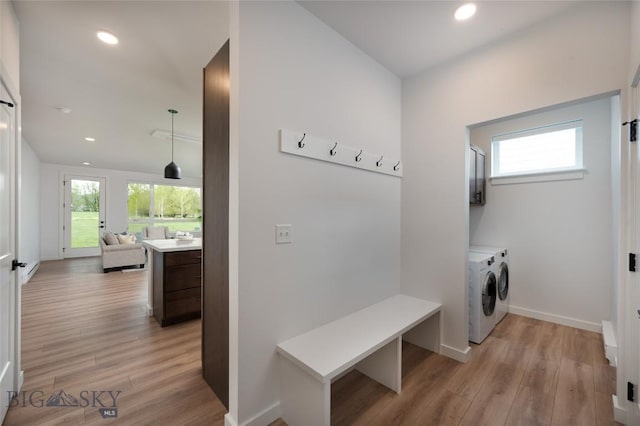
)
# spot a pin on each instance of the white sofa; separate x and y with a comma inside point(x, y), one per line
point(121, 255)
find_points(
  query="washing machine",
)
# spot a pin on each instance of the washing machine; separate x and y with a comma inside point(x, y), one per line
point(501, 269)
point(482, 295)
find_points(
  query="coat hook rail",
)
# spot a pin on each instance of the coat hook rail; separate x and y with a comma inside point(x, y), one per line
point(317, 148)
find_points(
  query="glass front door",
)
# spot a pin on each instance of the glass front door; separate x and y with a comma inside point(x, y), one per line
point(84, 215)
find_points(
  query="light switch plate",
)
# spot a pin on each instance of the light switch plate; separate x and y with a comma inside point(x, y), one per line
point(283, 234)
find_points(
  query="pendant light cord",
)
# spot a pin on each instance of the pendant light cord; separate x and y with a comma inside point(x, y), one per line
point(173, 113)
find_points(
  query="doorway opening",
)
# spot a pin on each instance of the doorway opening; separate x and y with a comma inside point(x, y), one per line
point(84, 215)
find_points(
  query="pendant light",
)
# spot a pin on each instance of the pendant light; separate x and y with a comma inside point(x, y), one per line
point(172, 171)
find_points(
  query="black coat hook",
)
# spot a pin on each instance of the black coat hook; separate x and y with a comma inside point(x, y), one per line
point(332, 151)
point(9, 104)
point(300, 143)
point(359, 157)
point(379, 162)
point(396, 167)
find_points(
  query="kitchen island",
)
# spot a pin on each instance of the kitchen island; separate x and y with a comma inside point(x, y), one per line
point(175, 283)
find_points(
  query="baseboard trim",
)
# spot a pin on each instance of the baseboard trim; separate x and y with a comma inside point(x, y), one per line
point(29, 271)
point(229, 421)
point(610, 344)
point(268, 415)
point(619, 413)
point(149, 310)
point(557, 319)
point(457, 354)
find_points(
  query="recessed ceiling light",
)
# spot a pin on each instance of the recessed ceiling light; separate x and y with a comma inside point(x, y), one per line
point(86, 163)
point(107, 37)
point(465, 11)
point(64, 110)
point(90, 139)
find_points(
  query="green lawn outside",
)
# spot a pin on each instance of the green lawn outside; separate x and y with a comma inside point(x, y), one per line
point(84, 229)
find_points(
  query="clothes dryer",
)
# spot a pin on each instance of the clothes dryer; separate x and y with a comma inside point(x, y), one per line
point(482, 296)
point(501, 269)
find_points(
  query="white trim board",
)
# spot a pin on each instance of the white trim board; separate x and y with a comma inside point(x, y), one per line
point(557, 319)
point(610, 345)
point(29, 271)
point(619, 413)
point(457, 354)
point(321, 149)
point(265, 417)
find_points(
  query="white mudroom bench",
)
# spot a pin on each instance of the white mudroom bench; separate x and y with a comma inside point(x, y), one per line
point(369, 340)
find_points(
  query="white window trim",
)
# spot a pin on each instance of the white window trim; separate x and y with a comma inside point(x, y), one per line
point(546, 176)
point(565, 173)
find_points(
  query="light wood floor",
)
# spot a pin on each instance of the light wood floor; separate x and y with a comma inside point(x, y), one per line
point(527, 372)
point(83, 330)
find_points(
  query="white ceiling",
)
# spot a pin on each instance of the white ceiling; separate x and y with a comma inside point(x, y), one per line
point(120, 94)
point(117, 94)
point(410, 36)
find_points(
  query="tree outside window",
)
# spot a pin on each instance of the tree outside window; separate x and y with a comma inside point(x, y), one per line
point(178, 207)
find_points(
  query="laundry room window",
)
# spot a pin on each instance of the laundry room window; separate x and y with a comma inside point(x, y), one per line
point(550, 150)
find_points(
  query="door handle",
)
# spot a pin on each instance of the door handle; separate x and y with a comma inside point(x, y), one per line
point(15, 264)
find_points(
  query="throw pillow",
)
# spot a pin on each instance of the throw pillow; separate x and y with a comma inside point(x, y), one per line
point(155, 233)
point(110, 239)
point(126, 239)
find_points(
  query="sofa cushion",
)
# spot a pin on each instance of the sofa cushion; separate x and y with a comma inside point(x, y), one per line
point(126, 239)
point(110, 239)
point(156, 233)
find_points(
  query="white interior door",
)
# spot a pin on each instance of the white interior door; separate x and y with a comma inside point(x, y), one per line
point(84, 207)
point(8, 277)
point(634, 282)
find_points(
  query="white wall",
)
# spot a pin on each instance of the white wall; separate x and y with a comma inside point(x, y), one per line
point(559, 233)
point(29, 205)
point(52, 193)
point(292, 71)
point(578, 54)
point(9, 43)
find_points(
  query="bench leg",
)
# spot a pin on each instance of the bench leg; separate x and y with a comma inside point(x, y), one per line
point(426, 334)
point(304, 400)
point(385, 365)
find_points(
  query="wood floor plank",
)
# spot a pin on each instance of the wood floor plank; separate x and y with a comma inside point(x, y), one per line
point(575, 395)
point(604, 410)
point(86, 330)
point(484, 361)
point(446, 409)
point(533, 404)
point(350, 403)
point(421, 386)
point(550, 341)
point(577, 346)
point(492, 404)
point(605, 378)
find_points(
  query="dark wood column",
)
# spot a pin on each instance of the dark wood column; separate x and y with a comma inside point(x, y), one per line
point(215, 225)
